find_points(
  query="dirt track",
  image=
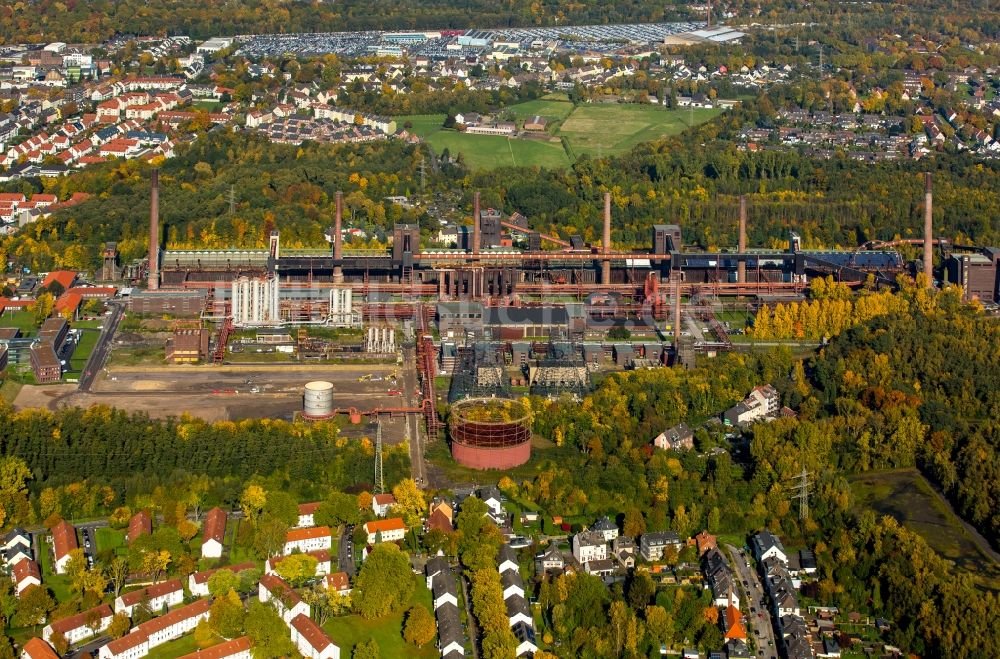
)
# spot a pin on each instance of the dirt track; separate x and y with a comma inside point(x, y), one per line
point(228, 392)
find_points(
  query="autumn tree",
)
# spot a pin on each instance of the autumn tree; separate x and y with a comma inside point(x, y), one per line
point(227, 616)
point(419, 628)
point(384, 584)
point(119, 625)
point(267, 631)
point(366, 650)
point(222, 581)
point(252, 502)
point(297, 568)
point(409, 501)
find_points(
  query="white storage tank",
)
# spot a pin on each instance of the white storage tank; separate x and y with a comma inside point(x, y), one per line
point(317, 399)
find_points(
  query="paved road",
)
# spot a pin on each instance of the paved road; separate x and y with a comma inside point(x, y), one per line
point(759, 627)
point(89, 649)
point(103, 347)
point(412, 434)
point(345, 550)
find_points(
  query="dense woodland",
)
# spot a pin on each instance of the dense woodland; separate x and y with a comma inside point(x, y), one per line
point(917, 388)
point(829, 203)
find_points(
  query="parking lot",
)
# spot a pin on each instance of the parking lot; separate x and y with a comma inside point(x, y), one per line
point(574, 38)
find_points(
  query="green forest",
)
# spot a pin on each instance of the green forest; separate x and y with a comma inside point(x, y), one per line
point(829, 203)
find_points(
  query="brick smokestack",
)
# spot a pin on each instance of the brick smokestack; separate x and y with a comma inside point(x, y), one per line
point(709, 13)
point(338, 240)
point(741, 266)
point(154, 230)
point(606, 240)
point(475, 223)
point(928, 230)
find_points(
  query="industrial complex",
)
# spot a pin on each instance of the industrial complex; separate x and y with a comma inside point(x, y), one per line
point(510, 311)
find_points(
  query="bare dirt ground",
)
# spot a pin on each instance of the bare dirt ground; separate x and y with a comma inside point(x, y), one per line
point(232, 392)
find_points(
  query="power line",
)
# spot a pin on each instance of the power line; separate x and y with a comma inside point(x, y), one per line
point(802, 494)
point(379, 484)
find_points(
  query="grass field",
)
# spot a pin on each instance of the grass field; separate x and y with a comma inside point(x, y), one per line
point(88, 340)
point(592, 129)
point(604, 129)
point(348, 631)
point(23, 320)
point(109, 539)
point(907, 496)
point(178, 648)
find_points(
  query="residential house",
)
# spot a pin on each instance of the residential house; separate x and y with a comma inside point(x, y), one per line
point(16, 543)
point(518, 611)
point(156, 632)
point(549, 561)
point(78, 627)
point(705, 541)
point(155, 597)
point(63, 542)
point(623, 550)
point(512, 584)
point(589, 546)
point(310, 639)
point(444, 590)
point(606, 527)
point(451, 639)
point(381, 503)
point(214, 533)
point(140, 524)
point(238, 648)
point(676, 438)
point(720, 579)
point(322, 557)
point(652, 545)
point(766, 545)
point(732, 623)
point(198, 582)
point(507, 559)
point(313, 538)
point(289, 604)
point(440, 517)
point(435, 566)
point(385, 530)
point(339, 583)
point(36, 648)
point(24, 575)
point(526, 644)
point(307, 512)
point(494, 501)
point(763, 402)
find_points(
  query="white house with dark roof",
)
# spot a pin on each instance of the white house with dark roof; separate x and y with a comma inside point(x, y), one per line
point(767, 545)
point(606, 527)
point(652, 545)
point(589, 546)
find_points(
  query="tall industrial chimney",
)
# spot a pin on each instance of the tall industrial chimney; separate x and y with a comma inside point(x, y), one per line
point(154, 231)
point(741, 265)
point(606, 240)
point(928, 230)
point(475, 223)
point(677, 313)
point(338, 240)
point(709, 13)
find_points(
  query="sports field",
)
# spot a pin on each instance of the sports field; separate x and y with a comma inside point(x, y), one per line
point(592, 129)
